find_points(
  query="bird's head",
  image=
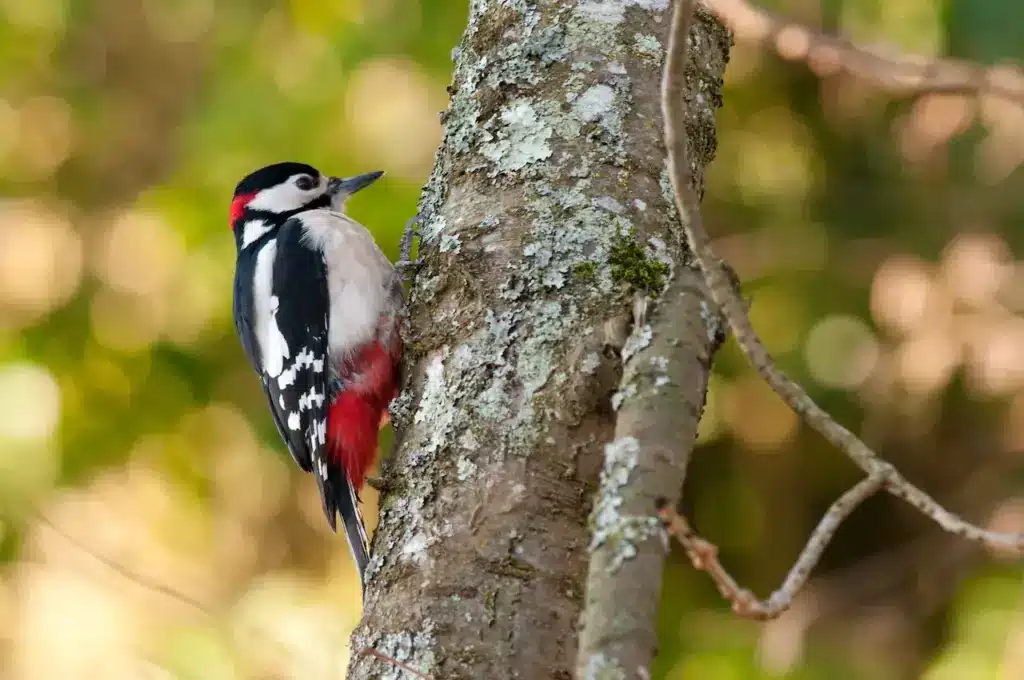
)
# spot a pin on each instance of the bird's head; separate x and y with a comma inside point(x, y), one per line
point(276, 192)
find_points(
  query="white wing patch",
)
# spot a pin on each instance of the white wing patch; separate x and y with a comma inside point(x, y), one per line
point(293, 421)
point(320, 431)
point(304, 359)
point(307, 400)
point(273, 346)
point(277, 344)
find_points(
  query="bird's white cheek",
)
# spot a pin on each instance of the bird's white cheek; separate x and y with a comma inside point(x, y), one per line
point(282, 198)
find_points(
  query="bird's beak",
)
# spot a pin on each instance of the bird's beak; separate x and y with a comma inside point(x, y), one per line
point(341, 187)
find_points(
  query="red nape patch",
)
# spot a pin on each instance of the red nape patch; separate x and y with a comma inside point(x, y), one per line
point(352, 425)
point(238, 204)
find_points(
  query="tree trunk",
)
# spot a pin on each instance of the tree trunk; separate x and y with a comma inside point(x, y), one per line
point(547, 209)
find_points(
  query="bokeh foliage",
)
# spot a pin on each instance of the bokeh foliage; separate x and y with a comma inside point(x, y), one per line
point(876, 237)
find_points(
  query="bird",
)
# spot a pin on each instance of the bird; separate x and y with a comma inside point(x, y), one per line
point(318, 309)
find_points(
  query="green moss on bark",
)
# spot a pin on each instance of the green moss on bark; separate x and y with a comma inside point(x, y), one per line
point(631, 265)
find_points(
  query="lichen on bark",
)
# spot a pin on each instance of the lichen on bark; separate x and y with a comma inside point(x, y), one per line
point(551, 154)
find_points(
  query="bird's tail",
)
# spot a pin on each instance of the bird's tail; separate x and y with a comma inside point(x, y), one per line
point(355, 528)
point(352, 431)
point(340, 497)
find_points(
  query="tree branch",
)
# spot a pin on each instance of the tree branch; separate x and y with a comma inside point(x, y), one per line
point(666, 359)
point(704, 554)
point(880, 472)
point(136, 577)
point(827, 54)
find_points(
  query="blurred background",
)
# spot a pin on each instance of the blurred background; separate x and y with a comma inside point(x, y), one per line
point(877, 237)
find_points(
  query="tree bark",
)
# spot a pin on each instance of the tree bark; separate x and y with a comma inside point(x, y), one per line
point(547, 212)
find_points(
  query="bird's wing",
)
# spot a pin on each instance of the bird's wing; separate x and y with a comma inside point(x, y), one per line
point(296, 380)
point(244, 325)
point(304, 386)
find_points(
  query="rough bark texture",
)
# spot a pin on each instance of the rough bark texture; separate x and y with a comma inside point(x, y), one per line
point(547, 209)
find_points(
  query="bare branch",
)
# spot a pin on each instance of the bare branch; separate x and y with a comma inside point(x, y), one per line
point(704, 554)
point(175, 594)
point(734, 309)
point(666, 362)
point(129, 574)
point(827, 54)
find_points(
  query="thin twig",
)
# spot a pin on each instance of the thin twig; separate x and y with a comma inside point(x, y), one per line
point(140, 579)
point(704, 554)
point(394, 662)
point(734, 309)
point(885, 68)
point(168, 591)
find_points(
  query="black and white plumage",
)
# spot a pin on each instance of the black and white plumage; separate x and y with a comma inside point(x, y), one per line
point(317, 307)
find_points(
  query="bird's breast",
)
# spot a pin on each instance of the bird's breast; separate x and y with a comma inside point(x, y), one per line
point(358, 278)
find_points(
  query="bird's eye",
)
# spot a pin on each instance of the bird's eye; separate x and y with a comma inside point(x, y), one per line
point(305, 183)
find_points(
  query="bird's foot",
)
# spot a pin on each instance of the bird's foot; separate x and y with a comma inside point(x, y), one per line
point(335, 386)
point(406, 266)
point(380, 484)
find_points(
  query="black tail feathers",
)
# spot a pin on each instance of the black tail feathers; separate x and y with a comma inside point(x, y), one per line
point(339, 497)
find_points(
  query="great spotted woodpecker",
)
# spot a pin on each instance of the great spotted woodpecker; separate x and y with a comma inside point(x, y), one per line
point(317, 307)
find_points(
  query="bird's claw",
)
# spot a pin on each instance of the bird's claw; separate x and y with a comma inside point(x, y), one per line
point(409, 266)
point(380, 484)
point(411, 230)
point(335, 386)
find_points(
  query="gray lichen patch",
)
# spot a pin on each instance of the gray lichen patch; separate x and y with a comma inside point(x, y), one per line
point(713, 322)
point(436, 404)
point(416, 650)
point(401, 409)
point(640, 338)
point(568, 231)
point(628, 391)
point(613, 12)
point(591, 363)
point(521, 62)
point(465, 468)
point(432, 423)
point(642, 378)
point(535, 359)
point(450, 243)
point(648, 48)
point(667, 193)
point(620, 533)
point(411, 544)
point(600, 667)
point(659, 369)
point(521, 139)
point(595, 103)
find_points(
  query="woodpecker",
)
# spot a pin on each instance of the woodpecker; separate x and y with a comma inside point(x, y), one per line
point(317, 307)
